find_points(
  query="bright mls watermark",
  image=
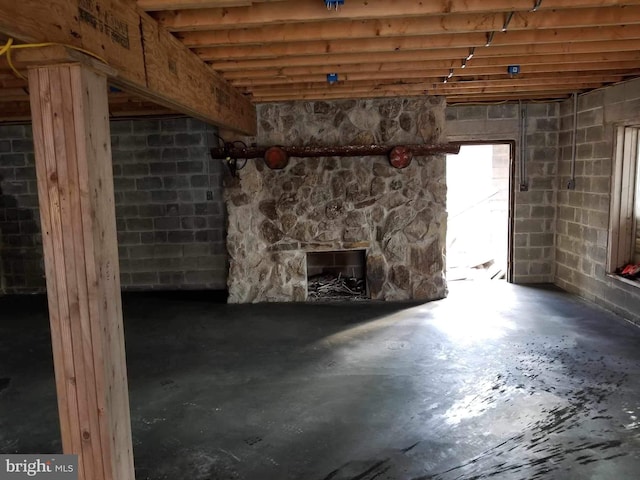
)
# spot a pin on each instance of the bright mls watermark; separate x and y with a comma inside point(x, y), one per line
point(50, 467)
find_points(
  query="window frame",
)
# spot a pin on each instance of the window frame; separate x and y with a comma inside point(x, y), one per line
point(625, 198)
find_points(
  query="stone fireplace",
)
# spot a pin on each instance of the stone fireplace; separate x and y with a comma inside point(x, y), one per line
point(398, 217)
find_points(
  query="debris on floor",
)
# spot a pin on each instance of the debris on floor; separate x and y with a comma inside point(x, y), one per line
point(630, 271)
point(328, 286)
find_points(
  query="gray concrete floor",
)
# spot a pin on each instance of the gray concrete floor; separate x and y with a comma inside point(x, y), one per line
point(497, 381)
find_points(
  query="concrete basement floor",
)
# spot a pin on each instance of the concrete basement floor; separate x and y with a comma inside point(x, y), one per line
point(497, 381)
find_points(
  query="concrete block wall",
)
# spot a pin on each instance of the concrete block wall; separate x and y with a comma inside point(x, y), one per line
point(171, 236)
point(534, 210)
point(583, 214)
point(21, 261)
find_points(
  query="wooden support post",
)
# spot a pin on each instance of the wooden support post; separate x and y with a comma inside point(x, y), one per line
point(75, 188)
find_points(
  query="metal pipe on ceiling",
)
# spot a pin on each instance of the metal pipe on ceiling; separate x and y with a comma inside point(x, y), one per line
point(571, 184)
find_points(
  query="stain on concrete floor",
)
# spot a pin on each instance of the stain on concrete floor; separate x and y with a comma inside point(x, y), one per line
point(496, 382)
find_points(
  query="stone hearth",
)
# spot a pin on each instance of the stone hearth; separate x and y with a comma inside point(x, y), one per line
point(398, 216)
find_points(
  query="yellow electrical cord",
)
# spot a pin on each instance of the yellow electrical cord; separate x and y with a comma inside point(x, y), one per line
point(6, 50)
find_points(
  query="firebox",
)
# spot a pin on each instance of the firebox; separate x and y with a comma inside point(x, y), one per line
point(336, 275)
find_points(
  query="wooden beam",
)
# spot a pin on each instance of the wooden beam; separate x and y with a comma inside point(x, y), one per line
point(436, 85)
point(424, 42)
point(155, 5)
point(437, 70)
point(465, 98)
point(522, 51)
point(147, 60)
point(77, 211)
point(294, 11)
point(419, 26)
point(542, 61)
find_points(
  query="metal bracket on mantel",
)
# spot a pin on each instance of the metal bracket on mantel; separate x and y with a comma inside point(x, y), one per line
point(277, 157)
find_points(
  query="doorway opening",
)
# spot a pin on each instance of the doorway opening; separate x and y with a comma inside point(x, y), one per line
point(478, 201)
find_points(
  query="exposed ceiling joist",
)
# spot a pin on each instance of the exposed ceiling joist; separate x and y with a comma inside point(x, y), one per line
point(274, 50)
point(277, 13)
point(332, 29)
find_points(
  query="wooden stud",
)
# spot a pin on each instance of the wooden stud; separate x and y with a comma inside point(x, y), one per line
point(77, 210)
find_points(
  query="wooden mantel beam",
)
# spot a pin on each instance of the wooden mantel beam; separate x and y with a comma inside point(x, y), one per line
point(145, 58)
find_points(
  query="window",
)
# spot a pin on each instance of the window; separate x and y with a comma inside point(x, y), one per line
point(624, 240)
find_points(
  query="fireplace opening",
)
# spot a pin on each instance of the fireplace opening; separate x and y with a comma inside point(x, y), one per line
point(336, 275)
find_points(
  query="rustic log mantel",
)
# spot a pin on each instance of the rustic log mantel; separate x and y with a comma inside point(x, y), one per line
point(232, 152)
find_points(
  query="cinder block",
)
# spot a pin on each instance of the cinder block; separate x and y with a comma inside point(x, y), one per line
point(190, 167)
point(121, 156)
point(119, 127)
point(186, 209)
point(188, 139)
point(135, 196)
point(163, 196)
point(124, 211)
point(472, 112)
point(139, 224)
point(180, 237)
point(12, 131)
point(199, 181)
point(135, 169)
point(174, 125)
point(160, 140)
point(132, 142)
point(603, 149)
point(174, 154)
point(122, 184)
point(507, 110)
point(128, 238)
point(166, 223)
point(200, 153)
point(13, 160)
point(191, 223)
point(152, 210)
point(590, 118)
point(144, 278)
point(175, 182)
point(590, 100)
point(146, 126)
point(148, 183)
point(547, 124)
point(540, 268)
point(162, 168)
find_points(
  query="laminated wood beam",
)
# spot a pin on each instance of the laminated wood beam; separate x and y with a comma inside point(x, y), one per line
point(146, 60)
point(77, 211)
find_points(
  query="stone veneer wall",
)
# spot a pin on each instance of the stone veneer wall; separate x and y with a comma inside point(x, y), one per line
point(275, 217)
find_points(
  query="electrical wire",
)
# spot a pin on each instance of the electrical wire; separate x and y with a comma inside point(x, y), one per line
point(9, 46)
point(244, 164)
